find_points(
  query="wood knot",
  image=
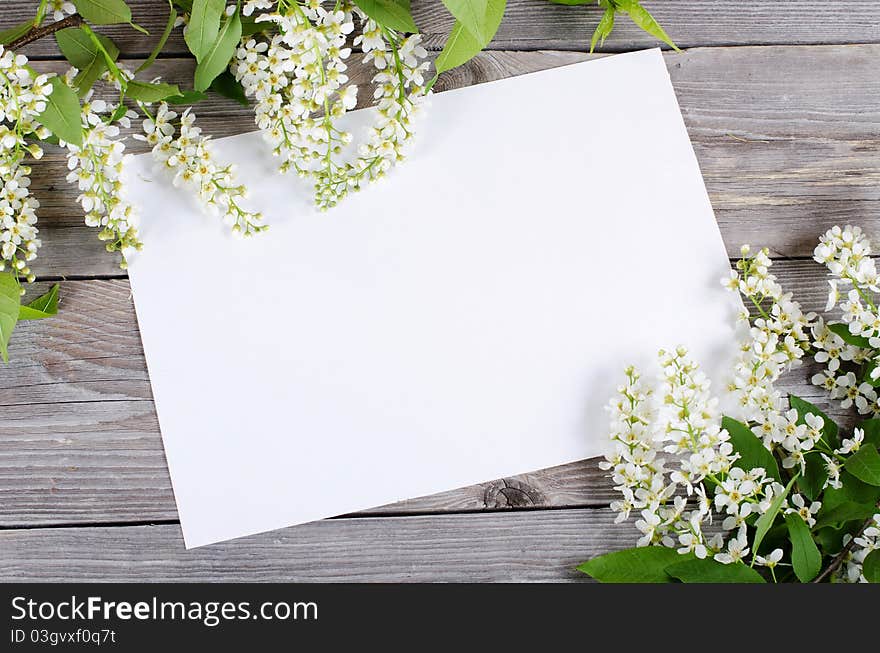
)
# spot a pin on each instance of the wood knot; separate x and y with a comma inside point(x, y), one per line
point(512, 493)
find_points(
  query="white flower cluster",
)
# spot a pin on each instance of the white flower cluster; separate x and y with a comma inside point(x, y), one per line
point(96, 168)
point(777, 342)
point(675, 506)
point(297, 81)
point(22, 98)
point(864, 544)
point(847, 255)
point(190, 158)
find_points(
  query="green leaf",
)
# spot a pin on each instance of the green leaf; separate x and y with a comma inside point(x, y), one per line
point(830, 541)
point(708, 570)
point(871, 427)
point(62, 113)
point(172, 17)
point(103, 12)
point(76, 46)
point(43, 306)
point(842, 330)
point(752, 451)
point(766, 520)
point(222, 50)
point(204, 26)
point(871, 567)
point(815, 474)
point(840, 514)
point(864, 464)
point(853, 490)
point(187, 97)
point(461, 46)
point(805, 556)
point(80, 50)
point(603, 29)
point(393, 14)
point(151, 92)
point(9, 35)
point(645, 564)
point(473, 16)
point(804, 408)
point(250, 26)
point(641, 17)
point(10, 300)
point(226, 85)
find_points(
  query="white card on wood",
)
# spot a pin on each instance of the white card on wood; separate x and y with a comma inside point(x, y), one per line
point(467, 319)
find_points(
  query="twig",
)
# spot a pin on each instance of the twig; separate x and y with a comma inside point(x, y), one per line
point(74, 20)
point(838, 559)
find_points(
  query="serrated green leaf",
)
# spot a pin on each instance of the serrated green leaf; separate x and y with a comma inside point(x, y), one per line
point(204, 26)
point(169, 25)
point(752, 451)
point(813, 479)
point(641, 17)
point(461, 46)
point(842, 330)
point(44, 306)
point(226, 85)
point(830, 540)
point(603, 29)
point(805, 556)
point(150, 91)
point(864, 464)
point(10, 301)
point(708, 570)
point(221, 51)
point(804, 408)
point(646, 564)
point(871, 567)
point(103, 12)
point(840, 514)
point(76, 46)
point(79, 49)
point(393, 14)
point(62, 113)
point(7, 36)
point(766, 520)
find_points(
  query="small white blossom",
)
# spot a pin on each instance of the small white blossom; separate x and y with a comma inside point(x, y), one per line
point(96, 168)
point(190, 159)
point(807, 512)
point(60, 8)
point(23, 97)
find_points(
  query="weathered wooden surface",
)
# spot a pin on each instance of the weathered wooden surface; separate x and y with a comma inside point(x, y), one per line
point(538, 24)
point(788, 138)
point(518, 546)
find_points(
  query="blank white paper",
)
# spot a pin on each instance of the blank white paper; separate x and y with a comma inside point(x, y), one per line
point(467, 319)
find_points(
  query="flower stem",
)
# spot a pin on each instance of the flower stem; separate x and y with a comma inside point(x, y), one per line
point(840, 557)
point(38, 32)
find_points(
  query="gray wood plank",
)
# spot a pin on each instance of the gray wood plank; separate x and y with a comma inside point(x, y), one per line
point(788, 139)
point(80, 443)
point(542, 546)
point(538, 24)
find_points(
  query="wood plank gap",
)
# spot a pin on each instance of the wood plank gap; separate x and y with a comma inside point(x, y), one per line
point(96, 524)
